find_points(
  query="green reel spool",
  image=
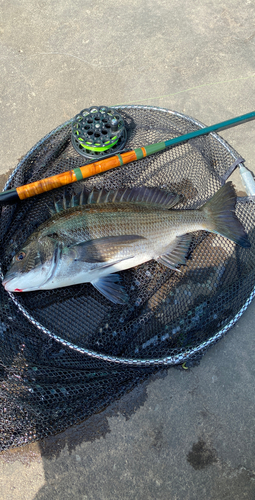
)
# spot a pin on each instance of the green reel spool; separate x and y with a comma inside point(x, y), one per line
point(98, 132)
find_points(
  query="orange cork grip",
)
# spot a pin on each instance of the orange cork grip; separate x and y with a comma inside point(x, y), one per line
point(129, 156)
point(89, 170)
point(99, 166)
point(107, 164)
point(47, 184)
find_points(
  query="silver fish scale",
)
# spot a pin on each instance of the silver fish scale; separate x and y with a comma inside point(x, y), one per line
point(67, 353)
point(159, 227)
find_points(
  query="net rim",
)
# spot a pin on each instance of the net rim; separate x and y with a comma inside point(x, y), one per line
point(168, 360)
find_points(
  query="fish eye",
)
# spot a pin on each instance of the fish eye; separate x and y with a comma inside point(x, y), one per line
point(20, 256)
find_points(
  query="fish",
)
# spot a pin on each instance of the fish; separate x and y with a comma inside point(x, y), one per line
point(111, 231)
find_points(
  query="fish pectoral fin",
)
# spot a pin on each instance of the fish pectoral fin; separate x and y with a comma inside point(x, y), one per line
point(104, 249)
point(111, 288)
point(177, 254)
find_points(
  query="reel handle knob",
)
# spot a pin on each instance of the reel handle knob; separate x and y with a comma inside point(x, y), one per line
point(114, 124)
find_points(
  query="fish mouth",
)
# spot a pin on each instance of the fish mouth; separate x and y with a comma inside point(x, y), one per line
point(9, 281)
point(6, 281)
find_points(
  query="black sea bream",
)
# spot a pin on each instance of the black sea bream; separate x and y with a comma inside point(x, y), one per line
point(114, 231)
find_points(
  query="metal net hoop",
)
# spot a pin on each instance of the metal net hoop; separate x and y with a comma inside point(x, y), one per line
point(217, 156)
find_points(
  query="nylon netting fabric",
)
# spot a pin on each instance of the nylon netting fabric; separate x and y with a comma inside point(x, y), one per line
point(67, 353)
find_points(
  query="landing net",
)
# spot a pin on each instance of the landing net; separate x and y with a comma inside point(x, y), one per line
point(67, 353)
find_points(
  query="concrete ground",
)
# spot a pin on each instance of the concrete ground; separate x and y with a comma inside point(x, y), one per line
point(184, 434)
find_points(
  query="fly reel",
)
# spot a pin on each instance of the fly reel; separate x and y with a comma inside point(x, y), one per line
point(98, 132)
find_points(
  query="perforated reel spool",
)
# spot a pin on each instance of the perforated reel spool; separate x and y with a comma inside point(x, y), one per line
point(98, 132)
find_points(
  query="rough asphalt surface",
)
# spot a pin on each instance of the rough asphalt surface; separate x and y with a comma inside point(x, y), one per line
point(185, 433)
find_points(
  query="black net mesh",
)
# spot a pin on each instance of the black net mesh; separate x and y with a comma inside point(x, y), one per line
point(67, 353)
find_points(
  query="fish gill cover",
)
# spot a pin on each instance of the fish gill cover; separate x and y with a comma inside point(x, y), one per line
point(67, 353)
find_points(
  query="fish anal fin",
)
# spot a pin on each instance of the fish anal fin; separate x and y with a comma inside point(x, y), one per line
point(104, 249)
point(177, 253)
point(111, 288)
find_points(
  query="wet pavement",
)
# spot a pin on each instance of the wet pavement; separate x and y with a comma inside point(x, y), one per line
point(184, 433)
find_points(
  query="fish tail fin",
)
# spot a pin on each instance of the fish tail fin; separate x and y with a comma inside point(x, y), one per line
point(221, 217)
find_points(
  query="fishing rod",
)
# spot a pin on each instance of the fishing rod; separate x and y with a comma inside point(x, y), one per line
point(77, 174)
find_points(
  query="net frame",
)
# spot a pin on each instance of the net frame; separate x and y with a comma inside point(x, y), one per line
point(133, 362)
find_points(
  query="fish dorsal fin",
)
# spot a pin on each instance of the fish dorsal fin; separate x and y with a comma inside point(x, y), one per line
point(70, 201)
point(148, 195)
point(152, 196)
point(177, 253)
